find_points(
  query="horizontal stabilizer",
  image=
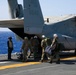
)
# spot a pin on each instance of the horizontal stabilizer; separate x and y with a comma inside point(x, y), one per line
point(12, 23)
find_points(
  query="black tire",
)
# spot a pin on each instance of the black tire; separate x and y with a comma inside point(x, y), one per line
point(75, 51)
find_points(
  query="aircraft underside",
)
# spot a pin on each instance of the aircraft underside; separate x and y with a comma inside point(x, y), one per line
point(20, 32)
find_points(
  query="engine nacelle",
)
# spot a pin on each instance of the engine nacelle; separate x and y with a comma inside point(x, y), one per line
point(15, 9)
point(19, 11)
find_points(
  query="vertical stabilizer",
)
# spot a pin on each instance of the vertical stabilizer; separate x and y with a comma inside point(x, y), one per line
point(33, 19)
point(15, 9)
point(12, 6)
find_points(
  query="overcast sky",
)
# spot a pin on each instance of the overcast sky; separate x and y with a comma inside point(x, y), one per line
point(49, 7)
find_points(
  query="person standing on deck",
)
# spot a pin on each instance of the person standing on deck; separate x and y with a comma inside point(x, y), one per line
point(10, 47)
point(25, 48)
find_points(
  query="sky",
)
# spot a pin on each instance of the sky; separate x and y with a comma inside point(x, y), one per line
point(48, 7)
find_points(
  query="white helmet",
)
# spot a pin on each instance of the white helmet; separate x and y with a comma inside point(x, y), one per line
point(55, 35)
point(25, 38)
point(43, 36)
point(35, 36)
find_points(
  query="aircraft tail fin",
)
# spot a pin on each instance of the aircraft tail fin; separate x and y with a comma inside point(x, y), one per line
point(33, 18)
point(15, 9)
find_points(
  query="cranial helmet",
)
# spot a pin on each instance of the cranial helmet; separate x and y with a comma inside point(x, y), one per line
point(10, 37)
point(35, 36)
point(25, 38)
point(43, 36)
point(55, 35)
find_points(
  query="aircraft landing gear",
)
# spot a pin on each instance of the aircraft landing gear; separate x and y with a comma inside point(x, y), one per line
point(75, 51)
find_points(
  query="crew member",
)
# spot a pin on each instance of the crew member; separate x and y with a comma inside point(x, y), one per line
point(25, 48)
point(44, 43)
point(55, 49)
point(35, 46)
point(10, 47)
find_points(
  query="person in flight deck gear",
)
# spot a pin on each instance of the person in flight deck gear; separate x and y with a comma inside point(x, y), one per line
point(31, 47)
point(10, 47)
point(55, 51)
point(25, 48)
point(35, 46)
point(48, 44)
point(31, 42)
point(43, 45)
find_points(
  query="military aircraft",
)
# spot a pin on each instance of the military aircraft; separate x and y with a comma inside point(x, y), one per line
point(28, 21)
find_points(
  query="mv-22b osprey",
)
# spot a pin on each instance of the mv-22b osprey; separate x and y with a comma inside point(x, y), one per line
point(28, 21)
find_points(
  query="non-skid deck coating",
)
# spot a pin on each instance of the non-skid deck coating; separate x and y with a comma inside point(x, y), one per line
point(21, 64)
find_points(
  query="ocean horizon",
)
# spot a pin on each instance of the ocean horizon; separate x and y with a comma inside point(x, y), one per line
point(3, 42)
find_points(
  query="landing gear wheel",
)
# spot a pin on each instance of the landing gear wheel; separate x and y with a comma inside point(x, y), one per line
point(75, 51)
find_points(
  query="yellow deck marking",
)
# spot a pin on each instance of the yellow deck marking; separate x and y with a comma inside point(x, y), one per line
point(69, 58)
point(29, 63)
point(18, 65)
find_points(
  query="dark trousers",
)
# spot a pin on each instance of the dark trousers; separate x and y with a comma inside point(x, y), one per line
point(9, 53)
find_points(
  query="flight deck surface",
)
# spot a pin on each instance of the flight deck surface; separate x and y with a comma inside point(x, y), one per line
point(67, 66)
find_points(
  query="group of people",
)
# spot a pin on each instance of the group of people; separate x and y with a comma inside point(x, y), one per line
point(32, 46)
point(53, 49)
point(29, 45)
